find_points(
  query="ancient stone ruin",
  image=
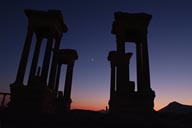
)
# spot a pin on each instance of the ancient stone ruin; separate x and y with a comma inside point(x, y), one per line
point(124, 97)
point(41, 92)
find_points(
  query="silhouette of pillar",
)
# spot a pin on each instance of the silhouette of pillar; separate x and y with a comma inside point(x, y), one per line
point(58, 77)
point(120, 45)
point(46, 60)
point(112, 87)
point(4, 97)
point(123, 77)
point(127, 62)
point(112, 58)
point(53, 71)
point(65, 56)
point(143, 73)
point(68, 83)
point(24, 57)
point(35, 59)
point(120, 65)
point(139, 66)
point(146, 70)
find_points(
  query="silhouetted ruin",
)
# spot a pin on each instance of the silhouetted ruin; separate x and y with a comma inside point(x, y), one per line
point(3, 99)
point(41, 93)
point(123, 97)
point(39, 103)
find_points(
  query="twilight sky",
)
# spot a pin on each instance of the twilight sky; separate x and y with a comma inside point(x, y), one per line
point(89, 23)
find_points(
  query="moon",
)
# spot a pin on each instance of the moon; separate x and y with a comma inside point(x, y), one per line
point(92, 59)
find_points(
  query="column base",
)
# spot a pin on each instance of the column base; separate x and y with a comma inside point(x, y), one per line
point(32, 99)
point(134, 102)
point(63, 104)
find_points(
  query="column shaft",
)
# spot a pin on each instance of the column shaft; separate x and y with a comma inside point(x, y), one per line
point(46, 60)
point(123, 74)
point(112, 87)
point(3, 100)
point(68, 81)
point(120, 45)
point(58, 77)
point(126, 70)
point(146, 72)
point(139, 66)
point(24, 57)
point(35, 59)
point(53, 71)
point(119, 76)
point(121, 82)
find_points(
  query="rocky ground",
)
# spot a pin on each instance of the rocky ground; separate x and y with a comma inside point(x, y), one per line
point(92, 119)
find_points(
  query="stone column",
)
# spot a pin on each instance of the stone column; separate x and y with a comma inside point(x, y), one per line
point(112, 58)
point(24, 57)
point(46, 60)
point(127, 62)
point(112, 86)
point(57, 77)
point(112, 82)
point(120, 45)
point(68, 83)
point(53, 71)
point(121, 73)
point(139, 66)
point(35, 59)
point(3, 100)
point(146, 72)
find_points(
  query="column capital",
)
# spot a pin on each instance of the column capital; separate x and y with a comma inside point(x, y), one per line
point(112, 57)
point(66, 56)
point(128, 55)
point(42, 21)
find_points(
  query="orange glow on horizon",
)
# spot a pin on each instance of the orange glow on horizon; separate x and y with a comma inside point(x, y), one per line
point(95, 106)
point(156, 108)
point(88, 107)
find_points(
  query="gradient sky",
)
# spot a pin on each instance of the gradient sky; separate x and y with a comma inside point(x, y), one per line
point(89, 23)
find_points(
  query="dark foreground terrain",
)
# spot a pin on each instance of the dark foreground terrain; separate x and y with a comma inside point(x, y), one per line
point(92, 119)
